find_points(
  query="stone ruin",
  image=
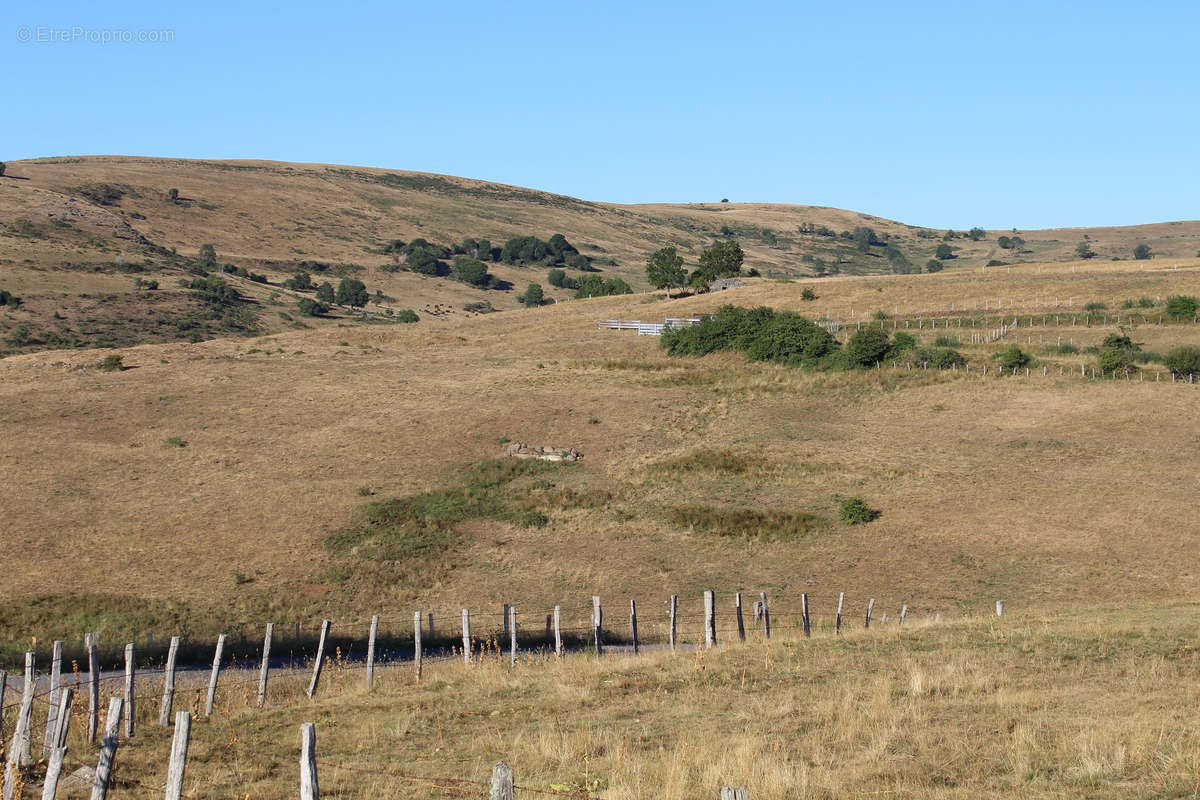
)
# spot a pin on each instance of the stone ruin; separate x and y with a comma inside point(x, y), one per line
point(518, 450)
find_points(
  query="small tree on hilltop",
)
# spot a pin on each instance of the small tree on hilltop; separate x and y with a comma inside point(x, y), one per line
point(976, 234)
point(664, 269)
point(352, 292)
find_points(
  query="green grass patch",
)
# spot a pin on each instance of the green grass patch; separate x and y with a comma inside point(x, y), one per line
point(767, 525)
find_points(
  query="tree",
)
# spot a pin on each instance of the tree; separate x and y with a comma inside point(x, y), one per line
point(933, 265)
point(556, 277)
point(1005, 243)
point(1014, 357)
point(325, 293)
point(976, 234)
point(1084, 250)
point(595, 286)
point(352, 292)
point(301, 281)
point(560, 247)
point(471, 271)
point(664, 269)
point(173, 195)
point(1182, 307)
point(207, 257)
point(864, 238)
point(722, 260)
point(3, 167)
point(1018, 243)
point(533, 295)
point(944, 252)
point(1143, 252)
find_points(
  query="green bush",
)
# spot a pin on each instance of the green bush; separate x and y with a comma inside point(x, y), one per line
point(855, 511)
point(901, 343)
point(471, 271)
point(1183, 360)
point(325, 292)
point(933, 265)
point(868, 346)
point(808, 294)
point(352, 292)
point(532, 296)
point(788, 338)
point(301, 282)
point(1181, 306)
point(112, 363)
point(1095, 305)
point(407, 315)
point(947, 341)
point(313, 308)
point(1013, 357)
point(1066, 349)
point(595, 286)
point(9, 299)
point(938, 357)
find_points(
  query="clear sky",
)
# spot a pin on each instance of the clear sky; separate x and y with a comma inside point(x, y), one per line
point(946, 114)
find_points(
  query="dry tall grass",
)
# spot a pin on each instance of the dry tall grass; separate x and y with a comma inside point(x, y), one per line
point(1096, 705)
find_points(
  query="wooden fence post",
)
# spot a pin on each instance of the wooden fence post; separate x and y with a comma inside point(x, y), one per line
point(130, 691)
point(674, 612)
point(108, 750)
point(309, 789)
point(3, 691)
point(558, 643)
point(52, 701)
point(710, 620)
point(92, 643)
point(371, 652)
point(766, 614)
point(316, 676)
point(22, 743)
point(597, 623)
point(502, 782)
point(737, 612)
point(837, 623)
point(999, 608)
point(265, 665)
point(168, 697)
point(734, 793)
point(58, 749)
point(214, 676)
point(466, 626)
point(417, 643)
point(804, 614)
point(511, 624)
point(633, 624)
point(179, 749)
point(870, 608)
point(903, 614)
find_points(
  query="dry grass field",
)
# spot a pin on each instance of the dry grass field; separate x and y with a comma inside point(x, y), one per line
point(1096, 704)
point(337, 468)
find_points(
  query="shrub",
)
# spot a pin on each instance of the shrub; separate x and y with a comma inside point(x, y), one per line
point(1143, 252)
point(325, 292)
point(532, 296)
point(938, 357)
point(1183, 360)
point(1116, 360)
point(1181, 306)
point(312, 308)
point(3, 166)
point(976, 234)
point(595, 286)
point(788, 338)
point(1013, 357)
point(1095, 305)
point(808, 294)
point(947, 341)
point(407, 315)
point(175, 441)
point(1066, 349)
point(112, 363)
point(301, 281)
point(172, 195)
point(471, 271)
point(933, 265)
point(855, 511)
point(901, 343)
point(207, 257)
point(944, 252)
point(9, 299)
point(1084, 250)
point(214, 290)
point(556, 277)
point(868, 346)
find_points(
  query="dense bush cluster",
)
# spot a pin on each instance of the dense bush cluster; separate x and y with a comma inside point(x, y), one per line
point(595, 286)
point(785, 337)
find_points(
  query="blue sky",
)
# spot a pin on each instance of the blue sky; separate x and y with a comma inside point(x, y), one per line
point(942, 114)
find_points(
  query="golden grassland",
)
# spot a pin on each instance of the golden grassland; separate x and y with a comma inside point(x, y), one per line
point(197, 487)
point(1079, 704)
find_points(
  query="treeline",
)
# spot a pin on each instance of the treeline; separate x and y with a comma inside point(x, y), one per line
point(468, 260)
